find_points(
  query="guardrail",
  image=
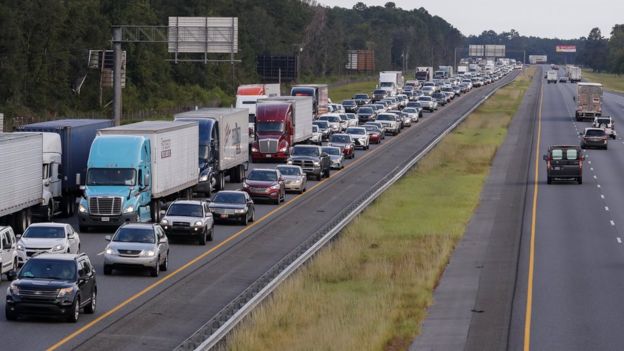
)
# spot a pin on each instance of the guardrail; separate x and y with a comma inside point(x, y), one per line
point(215, 330)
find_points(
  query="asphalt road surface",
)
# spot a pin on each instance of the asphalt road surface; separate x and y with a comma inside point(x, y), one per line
point(136, 311)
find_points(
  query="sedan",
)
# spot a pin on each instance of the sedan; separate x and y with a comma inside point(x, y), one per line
point(353, 119)
point(233, 205)
point(344, 142)
point(428, 103)
point(47, 237)
point(324, 128)
point(334, 121)
point(295, 178)
point(374, 133)
point(189, 218)
point(379, 126)
point(366, 113)
point(335, 155)
point(359, 137)
point(412, 112)
point(265, 184)
point(141, 245)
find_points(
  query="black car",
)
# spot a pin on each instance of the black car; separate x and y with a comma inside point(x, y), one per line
point(350, 105)
point(379, 94)
point(366, 114)
point(53, 284)
point(229, 205)
point(362, 99)
point(564, 162)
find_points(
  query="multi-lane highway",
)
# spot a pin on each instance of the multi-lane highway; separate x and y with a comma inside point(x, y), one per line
point(573, 252)
point(137, 311)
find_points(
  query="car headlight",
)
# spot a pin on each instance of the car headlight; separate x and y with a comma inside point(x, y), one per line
point(254, 149)
point(65, 292)
point(82, 209)
point(129, 209)
point(164, 221)
point(289, 162)
point(58, 247)
point(14, 289)
point(149, 253)
point(316, 163)
point(109, 251)
point(20, 247)
point(245, 185)
point(203, 178)
point(198, 224)
point(275, 187)
point(240, 211)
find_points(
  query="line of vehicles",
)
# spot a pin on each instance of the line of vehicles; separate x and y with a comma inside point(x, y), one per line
point(158, 181)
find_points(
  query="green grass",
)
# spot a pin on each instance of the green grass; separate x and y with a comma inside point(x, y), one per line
point(609, 81)
point(343, 92)
point(370, 289)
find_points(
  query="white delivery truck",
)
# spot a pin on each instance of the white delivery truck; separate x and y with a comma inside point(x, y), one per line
point(552, 76)
point(391, 81)
point(575, 74)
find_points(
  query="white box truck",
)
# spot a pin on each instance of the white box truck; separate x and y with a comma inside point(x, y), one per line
point(588, 100)
point(391, 81)
point(575, 74)
point(247, 96)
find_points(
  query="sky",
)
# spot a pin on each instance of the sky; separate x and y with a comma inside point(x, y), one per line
point(542, 18)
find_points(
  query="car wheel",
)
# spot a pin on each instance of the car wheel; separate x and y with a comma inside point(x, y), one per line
point(108, 270)
point(75, 311)
point(154, 271)
point(253, 216)
point(202, 238)
point(276, 201)
point(548, 180)
point(10, 315)
point(579, 180)
point(165, 265)
point(211, 233)
point(245, 220)
point(90, 309)
point(606, 147)
point(319, 176)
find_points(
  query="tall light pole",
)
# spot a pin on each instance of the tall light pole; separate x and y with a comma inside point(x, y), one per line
point(299, 50)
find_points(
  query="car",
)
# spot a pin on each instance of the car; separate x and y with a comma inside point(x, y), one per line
point(324, 128)
point(449, 89)
point(564, 162)
point(428, 90)
point(345, 143)
point(188, 218)
point(265, 184)
point(379, 107)
point(366, 113)
point(344, 121)
point(391, 122)
point(416, 105)
point(379, 94)
point(412, 112)
point(137, 245)
point(47, 237)
point(53, 285)
point(406, 121)
point(334, 121)
point(374, 133)
point(8, 252)
point(440, 98)
point(295, 178)
point(362, 99)
point(311, 159)
point(468, 83)
point(336, 156)
point(563, 79)
point(359, 136)
point(607, 124)
point(379, 126)
point(337, 108)
point(353, 119)
point(350, 105)
point(594, 137)
point(317, 135)
point(232, 205)
point(428, 103)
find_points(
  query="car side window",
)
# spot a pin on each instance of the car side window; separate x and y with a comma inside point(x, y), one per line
point(5, 241)
point(86, 267)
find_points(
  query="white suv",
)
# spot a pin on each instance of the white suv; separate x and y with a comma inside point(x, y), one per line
point(47, 237)
point(8, 251)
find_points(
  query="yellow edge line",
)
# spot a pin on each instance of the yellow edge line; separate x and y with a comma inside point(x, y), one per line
point(529, 300)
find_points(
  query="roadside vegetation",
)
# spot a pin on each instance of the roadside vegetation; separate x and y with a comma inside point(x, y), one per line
point(609, 81)
point(343, 92)
point(370, 289)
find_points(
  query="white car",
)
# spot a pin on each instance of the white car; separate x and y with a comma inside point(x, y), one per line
point(360, 137)
point(8, 252)
point(353, 119)
point(334, 121)
point(412, 112)
point(317, 136)
point(47, 237)
point(391, 122)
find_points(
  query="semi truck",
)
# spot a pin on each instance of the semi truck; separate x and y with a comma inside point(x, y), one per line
point(319, 94)
point(281, 123)
point(588, 100)
point(247, 95)
point(223, 146)
point(391, 81)
point(133, 168)
point(65, 161)
point(21, 178)
point(424, 74)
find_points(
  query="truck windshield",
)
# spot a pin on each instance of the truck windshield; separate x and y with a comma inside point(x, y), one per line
point(111, 176)
point(386, 84)
point(302, 92)
point(305, 151)
point(270, 127)
point(185, 210)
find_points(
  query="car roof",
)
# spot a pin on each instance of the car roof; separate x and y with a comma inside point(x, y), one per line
point(287, 166)
point(188, 202)
point(48, 224)
point(138, 225)
point(231, 192)
point(264, 169)
point(307, 146)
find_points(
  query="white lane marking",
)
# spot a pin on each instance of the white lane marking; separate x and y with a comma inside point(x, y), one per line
point(602, 196)
point(619, 240)
point(598, 185)
point(606, 208)
point(591, 168)
point(595, 177)
point(612, 223)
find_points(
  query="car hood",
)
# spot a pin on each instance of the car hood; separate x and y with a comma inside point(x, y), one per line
point(171, 219)
point(304, 158)
point(340, 145)
point(36, 243)
point(260, 183)
point(46, 284)
point(226, 205)
point(118, 245)
point(292, 177)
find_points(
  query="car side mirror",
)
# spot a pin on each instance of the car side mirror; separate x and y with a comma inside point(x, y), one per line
point(71, 236)
point(18, 236)
point(545, 157)
point(107, 238)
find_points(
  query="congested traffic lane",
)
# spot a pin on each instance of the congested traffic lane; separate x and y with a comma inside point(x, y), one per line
point(577, 254)
point(122, 293)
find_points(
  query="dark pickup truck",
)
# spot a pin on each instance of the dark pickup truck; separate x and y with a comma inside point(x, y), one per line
point(311, 159)
point(564, 162)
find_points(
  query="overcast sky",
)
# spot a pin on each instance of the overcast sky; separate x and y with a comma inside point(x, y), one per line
point(543, 18)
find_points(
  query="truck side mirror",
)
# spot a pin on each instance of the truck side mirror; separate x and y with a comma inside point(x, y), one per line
point(545, 157)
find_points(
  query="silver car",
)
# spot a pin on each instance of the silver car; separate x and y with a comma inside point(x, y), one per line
point(428, 103)
point(295, 178)
point(189, 218)
point(336, 156)
point(141, 245)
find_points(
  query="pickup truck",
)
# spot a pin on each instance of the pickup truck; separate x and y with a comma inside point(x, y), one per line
point(311, 159)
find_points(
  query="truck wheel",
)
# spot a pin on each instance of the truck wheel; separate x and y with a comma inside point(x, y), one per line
point(22, 220)
point(155, 209)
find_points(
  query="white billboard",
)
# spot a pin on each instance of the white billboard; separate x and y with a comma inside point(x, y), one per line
point(494, 51)
point(475, 50)
point(200, 35)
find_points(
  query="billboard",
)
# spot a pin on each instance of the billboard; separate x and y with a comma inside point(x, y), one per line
point(201, 35)
point(476, 50)
point(535, 59)
point(361, 60)
point(273, 69)
point(566, 48)
point(494, 51)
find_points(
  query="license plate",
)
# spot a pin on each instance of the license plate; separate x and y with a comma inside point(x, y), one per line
point(224, 216)
point(105, 219)
point(268, 156)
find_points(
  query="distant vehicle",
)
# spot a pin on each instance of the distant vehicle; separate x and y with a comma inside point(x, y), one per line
point(47, 237)
point(317, 135)
point(353, 119)
point(391, 81)
point(607, 124)
point(53, 284)
point(588, 100)
point(247, 97)
point(232, 205)
point(295, 178)
point(265, 184)
point(350, 105)
point(424, 74)
point(391, 122)
point(379, 126)
point(345, 143)
point(324, 128)
point(428, 103)
point(575, 74)
point(362, 99)
point(413, 113)
point(564, 162)
point(551, 76)
point(366, 113)
point(359, 137)
point(563, 79)
point(319, 94)
point(374, 133)
point(593, 137)
point(189, 218)
point(379, 94)
point(140, 245)
point(8, 252)
point(336, 156)
point(334, 120)
point(312, 160)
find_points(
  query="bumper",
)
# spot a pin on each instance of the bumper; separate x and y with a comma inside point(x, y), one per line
point(258, 156)
point(272, 194)
point(203, 187)
point(176, 232)
point(51, 308)
point(336, 165)
point(590, 143)
point(128, 262)
point(294, 186)
point(89, 220)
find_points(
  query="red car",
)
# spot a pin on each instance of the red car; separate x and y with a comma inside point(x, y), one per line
point(374, 134)
point(344, 142)
point(265, 184)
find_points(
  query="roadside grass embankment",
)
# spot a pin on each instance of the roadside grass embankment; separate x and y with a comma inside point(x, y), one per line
point(370, 288)
point(609, 81)
point(344, 92)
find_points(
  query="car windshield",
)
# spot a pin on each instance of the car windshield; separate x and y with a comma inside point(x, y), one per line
point(371, 128)
point(229, 198)
point(111, 176)
point(332, 151)
point(260, 175)
point(135, 235)
point(290, 171)
point(355, 131)
point(44, 233)
point(322, 124)
point(409, 110)
point(386, 84)
point(594, 132)
point(348, 103)
point(305, 151)
point(185, 210)
point(425, 98)
point(48, 269)
point(315, 129)
point(270, 127)
point(604, 121)
point(361, 96)
point(366, 110)
point(385, 118)
point(204, 152)
point(379, 92)
point(330, 118)
point(340, 139)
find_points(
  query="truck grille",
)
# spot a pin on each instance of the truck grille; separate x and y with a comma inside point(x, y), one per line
point(268, 146)
point(303, 164)
point(181, 224)
point(105, 206)
point(38, 294)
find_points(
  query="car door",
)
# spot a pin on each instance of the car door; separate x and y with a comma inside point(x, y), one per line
point(5, 248)
point(86, 280)
point(208, 219)
point(73, 239)
point(163, 243)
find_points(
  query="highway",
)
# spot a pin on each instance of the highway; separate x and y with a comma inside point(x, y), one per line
point(576, 244)
point(136, 311)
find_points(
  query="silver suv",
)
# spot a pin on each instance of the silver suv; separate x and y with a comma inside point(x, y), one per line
point(141, 245)
point(189, 218)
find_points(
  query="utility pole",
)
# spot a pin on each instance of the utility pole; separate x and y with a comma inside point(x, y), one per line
point(117, 76)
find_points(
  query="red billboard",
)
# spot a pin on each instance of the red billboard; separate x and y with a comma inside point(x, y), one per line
point(566, 48)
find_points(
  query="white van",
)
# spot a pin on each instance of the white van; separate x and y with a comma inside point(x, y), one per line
point(8, 252)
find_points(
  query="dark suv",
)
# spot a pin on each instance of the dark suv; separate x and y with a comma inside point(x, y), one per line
point(594, 137)
point(564, 162)
point(53, 284)
point(311, 159)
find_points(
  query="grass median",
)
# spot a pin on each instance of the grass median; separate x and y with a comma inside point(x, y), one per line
point(370, 288)
point(347, 91)
point(609, 81)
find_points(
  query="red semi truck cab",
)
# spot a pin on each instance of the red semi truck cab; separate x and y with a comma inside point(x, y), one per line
point(274, 131)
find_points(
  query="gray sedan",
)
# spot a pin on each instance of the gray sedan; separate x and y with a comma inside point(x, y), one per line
point(141, 245)
point(336, 156)
point(295, 178)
